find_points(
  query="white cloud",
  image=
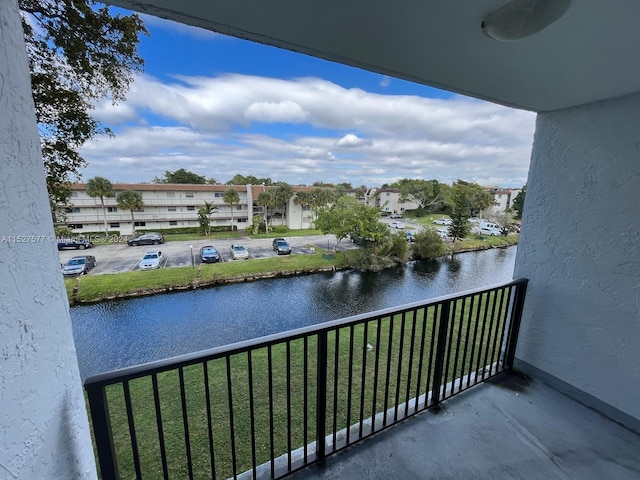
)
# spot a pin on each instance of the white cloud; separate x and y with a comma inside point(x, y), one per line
point(307, 129)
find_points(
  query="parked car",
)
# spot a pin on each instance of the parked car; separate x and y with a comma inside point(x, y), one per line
point(384, 214)
point(281, 246)
point(396, 215)
point(490, 231)
point(150, 238)
point(78, 265)
point(151, 260)
point(443, 221)
point(209, 254)
point(411, 237)
point(398, 225)
point(78, 243)
point(239, 252)
point(443, 232)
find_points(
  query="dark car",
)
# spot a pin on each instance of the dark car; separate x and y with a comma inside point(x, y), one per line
point(79, 265)
point(209, 254)
point(78, 243)
point(281, 246)
point(410, 236)
point(151, 238)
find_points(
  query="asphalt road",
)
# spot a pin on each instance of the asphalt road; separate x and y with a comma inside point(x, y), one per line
point(123, 258)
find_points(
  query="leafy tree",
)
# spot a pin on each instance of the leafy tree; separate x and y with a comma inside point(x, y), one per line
point(101, 187)
point(478, 197)
point(130, 200)
point(249, 180)
point(79, 53)
point(231, 197)
point(431, 195)
point(460, 225)
point(427, 245)
point(181, 176)
point(518, 202)
point(204, 217)
point(212, 181)
point(349, 217)
point(505, 220)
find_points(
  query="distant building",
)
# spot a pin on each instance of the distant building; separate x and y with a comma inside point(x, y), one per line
point(176, 206)
point(388, 200)
point(504, 197)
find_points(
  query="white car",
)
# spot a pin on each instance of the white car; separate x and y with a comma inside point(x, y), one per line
point(399, 225)
point(151, 260)
point(443, 221)
point(490, 231)
point(239, 252)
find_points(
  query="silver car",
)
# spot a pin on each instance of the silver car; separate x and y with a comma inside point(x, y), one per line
point(79, 265)
point(239, 252)
point(151, 260)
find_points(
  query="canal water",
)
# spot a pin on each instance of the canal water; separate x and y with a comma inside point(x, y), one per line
point(126, 332)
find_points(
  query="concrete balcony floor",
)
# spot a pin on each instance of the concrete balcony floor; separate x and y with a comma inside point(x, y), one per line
point(510, 428)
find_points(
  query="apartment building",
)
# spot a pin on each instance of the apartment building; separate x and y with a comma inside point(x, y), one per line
point(503, 197)
point(388, 200)
point(176, 206)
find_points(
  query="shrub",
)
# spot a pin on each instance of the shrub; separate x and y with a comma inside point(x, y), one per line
point(427, 245)
point(280, 229)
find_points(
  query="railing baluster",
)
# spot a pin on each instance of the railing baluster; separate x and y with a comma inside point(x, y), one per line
point(475, 339)
point(489, 335)
point(350, 384)
point(336, 357)
point(410, 367)
point(288, 406)
point(305, 376)
point(452, 322)
point(466, 343)
point(376, 371)
point(443, 323)
point(363, 379)
point(185, 422)
point(270, 388)
point(132, 428)
point(207, 396)
point(399, 372)
point(421, 358)
point(156, 403)
point(500, 322)
point(482, 331)
point(429, 385)
point(251, 412)
point(101, 420)
point(321, 400)
point(388, 374)
point(234, 463)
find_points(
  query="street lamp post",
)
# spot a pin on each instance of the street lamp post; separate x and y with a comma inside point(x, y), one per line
point(193, 263)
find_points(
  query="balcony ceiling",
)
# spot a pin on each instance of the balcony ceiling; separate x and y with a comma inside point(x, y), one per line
point(590, 54)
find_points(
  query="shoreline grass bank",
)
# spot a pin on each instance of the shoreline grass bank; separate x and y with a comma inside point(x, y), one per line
point(97, 288)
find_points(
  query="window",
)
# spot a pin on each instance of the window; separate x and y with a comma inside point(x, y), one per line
point(171, 209)
point(238, 207)
point(74, 194)
point(141, 210)
point(190, 195)
point(112, 209)
point(191, 222)
point(140, 224)
point(72, 210)
point(171, 194)
point(242, 220)
point(218, 194)
point(191, 208)
point(173, 222)
point(75, 226)
point(114, 225)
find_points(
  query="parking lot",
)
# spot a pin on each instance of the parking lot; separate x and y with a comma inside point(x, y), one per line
point(117, 258)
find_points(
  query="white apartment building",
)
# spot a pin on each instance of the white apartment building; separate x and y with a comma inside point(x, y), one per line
point(176, 206)
point(504, 198)
point(388, 200)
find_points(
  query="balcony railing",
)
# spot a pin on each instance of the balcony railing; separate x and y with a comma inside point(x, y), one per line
point(267, 407)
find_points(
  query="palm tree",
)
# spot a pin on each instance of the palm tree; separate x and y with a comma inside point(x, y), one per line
point(204, 216)
point(266, 199)
point(302, 198)
point(283, 193)
point(130, 200)
point(231, 197)
point(101, 187)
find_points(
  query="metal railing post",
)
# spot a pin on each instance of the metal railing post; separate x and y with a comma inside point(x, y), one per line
point(321, 396)
point(102, 431)
point(514, 324)
point(443, 326)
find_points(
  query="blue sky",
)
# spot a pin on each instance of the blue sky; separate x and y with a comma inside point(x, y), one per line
point(218, 106)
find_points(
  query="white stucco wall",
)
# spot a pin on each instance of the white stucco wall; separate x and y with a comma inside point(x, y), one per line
point(43, 424)
point(580, 248)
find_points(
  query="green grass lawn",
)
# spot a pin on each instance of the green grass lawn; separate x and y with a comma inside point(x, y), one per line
point(403, 369)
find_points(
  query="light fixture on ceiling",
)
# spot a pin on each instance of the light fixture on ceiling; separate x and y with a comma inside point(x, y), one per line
point(521, 18)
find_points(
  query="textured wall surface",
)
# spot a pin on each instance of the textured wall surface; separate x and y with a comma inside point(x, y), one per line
point(43, 424)
point(580, 248)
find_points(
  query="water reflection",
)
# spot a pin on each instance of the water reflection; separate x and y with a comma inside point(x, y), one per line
point(127, 332)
